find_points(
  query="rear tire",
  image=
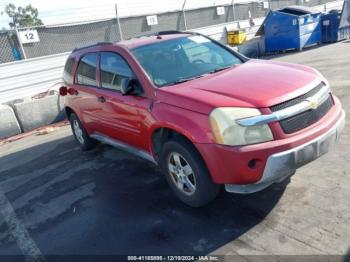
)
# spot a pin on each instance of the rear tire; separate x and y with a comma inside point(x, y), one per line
point(81, 136)
point(186, 173)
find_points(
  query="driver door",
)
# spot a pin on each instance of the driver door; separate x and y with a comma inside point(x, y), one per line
point(122, 117)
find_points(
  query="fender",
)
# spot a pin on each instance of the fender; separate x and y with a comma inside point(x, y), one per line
point(75, 110)
point(193, 125)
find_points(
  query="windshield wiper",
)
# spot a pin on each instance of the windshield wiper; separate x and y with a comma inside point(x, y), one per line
point(219, 69)
point(182, 80)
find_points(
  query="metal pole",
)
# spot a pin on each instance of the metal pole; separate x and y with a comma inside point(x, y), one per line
point(20, 43)
point(118, 22)
point(233, 10)
point(184, 15)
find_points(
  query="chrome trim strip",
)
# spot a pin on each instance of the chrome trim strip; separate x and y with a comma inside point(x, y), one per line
point(125, 147)
point(309, 103)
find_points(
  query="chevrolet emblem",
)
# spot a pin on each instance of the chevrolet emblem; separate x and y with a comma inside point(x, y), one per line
point(313, 103)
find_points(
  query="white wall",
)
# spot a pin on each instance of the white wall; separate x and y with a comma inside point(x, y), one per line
point(22, 79)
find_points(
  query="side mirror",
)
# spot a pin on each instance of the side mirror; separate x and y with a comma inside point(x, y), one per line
point(130, 86)
point(63, 90)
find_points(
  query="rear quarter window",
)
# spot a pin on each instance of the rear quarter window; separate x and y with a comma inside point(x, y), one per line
point(67, 72)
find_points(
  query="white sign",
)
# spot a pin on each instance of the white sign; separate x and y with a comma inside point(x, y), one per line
point(29, 36)
point(326, 23)
point(266, 5)
point(220, 10)
point(152, 20)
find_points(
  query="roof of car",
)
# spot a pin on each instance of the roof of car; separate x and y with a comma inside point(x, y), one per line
point(145, 40)
point(142, 40)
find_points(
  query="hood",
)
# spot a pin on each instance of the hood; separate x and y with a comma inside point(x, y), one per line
point(256, 83)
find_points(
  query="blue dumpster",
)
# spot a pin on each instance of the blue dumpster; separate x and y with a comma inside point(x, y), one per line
point(335, 25)
point(16, 54)
point(330, 25)
point(292, 27)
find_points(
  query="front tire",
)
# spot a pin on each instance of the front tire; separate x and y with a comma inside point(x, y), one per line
point(187, 174)
point(81, 136)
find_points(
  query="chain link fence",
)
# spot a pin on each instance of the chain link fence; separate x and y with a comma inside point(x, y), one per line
point(132, 26)
point(60, 39)
point(64, 38)
point(9, 47)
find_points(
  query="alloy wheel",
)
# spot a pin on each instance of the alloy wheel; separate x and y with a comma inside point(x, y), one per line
point(78, 132)
point(181, 173)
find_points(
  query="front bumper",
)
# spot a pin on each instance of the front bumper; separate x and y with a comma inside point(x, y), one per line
point(281, 165)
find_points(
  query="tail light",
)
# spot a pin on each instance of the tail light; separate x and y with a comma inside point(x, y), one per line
point(63, 90)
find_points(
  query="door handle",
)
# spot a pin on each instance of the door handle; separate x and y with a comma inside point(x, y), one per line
point(101, 99)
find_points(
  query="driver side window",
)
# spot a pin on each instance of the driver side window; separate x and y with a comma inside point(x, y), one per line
point(113, 70)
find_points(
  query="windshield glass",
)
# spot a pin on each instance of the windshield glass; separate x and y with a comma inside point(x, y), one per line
point(183, 59)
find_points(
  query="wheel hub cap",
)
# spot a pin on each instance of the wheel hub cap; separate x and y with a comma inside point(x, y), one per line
point(78, 131)
point(181, 173)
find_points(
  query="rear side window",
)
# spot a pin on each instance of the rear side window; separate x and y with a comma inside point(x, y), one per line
point(113, 70)
point(67, 72)
point(86, 72)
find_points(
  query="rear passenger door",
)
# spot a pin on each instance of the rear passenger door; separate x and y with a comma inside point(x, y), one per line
point(122, 117)
point(86, 97)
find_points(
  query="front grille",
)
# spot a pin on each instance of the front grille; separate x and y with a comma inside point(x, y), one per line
point(304, 119)
point(296, 100)
point(307, 118)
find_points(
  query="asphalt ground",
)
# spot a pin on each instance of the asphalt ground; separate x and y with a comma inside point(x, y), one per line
point(57, 200)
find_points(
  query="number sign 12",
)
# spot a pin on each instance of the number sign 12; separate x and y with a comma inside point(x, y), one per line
point(29, 36)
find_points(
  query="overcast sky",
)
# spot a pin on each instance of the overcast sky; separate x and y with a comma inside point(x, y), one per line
point(52, 12)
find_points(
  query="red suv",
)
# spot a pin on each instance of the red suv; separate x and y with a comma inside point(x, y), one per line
point(207, 115)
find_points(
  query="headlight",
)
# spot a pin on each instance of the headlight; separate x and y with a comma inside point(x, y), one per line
point(227, 131)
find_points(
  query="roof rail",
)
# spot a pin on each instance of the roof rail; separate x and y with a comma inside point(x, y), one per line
point(159, 33)
point(97, 44)
point(170, 32)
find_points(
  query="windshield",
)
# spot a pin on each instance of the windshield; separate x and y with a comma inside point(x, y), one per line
point(183, 59)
